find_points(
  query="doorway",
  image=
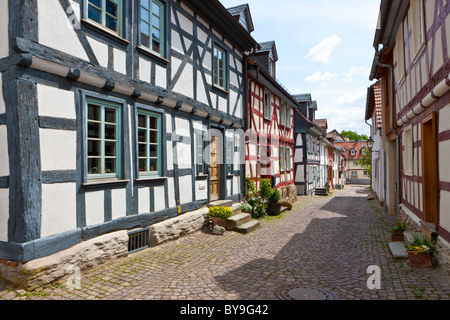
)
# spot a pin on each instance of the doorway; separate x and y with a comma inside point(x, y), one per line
point(429, 170)
point(215, 169)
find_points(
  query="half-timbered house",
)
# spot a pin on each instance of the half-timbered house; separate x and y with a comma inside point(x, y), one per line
point(308, 146)
point(270, 137)
point(115, 115)
point(412, 61)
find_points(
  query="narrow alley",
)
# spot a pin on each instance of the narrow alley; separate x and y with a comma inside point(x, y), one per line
point(323, 245)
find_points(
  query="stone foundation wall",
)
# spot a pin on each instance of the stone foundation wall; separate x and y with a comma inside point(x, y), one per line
point(289, 194)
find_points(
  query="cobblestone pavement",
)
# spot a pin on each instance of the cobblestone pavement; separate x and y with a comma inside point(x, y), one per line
point(325, 243)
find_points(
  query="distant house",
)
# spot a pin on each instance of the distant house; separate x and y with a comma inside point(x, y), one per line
point(308, 146)
point(374, 113)
point(353, 151)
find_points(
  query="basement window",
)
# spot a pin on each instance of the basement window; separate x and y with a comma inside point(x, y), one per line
point(138, 240)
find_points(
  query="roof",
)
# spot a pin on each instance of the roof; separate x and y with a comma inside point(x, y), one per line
point(269, 46)
point(243, 10)
point(323, 123)
point(374, 103)
point(306, 97)
point(349, 145)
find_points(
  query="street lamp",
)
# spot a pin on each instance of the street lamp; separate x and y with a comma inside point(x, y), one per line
point(370, 144)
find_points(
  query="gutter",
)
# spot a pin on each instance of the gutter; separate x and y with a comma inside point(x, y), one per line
point(397, 135)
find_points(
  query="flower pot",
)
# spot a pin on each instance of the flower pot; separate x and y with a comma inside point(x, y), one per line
point(273, 209)
point(397, 237)
point(219, 222)
point(419, 259)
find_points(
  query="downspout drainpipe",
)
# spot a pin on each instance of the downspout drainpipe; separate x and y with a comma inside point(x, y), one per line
point(371, 159)
point(397, 135)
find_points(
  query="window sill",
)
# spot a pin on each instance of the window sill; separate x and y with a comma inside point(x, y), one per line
point(419, 52)
point(201, 176)
point(153, 55)
point(104, 183)
point(150, 179)
point(222, 90)
point(98, 27)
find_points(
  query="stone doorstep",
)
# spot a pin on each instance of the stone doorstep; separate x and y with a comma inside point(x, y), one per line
point(220, 203)
point(248, 227)
point(398, 249)
point(238, 220)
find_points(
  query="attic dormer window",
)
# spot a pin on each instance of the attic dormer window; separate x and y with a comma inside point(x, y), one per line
point(353, 152)
point(272, 67)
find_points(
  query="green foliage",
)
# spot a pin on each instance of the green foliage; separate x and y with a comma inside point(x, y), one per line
point(220, 212)
point(250, 185)
point(353, 135)
point(400, 227)
point(421, 243)
point(266, 188)
point(366, 161)
point(246, 207)
point(275, 196)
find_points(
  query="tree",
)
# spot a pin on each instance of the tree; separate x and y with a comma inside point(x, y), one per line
point(353, 135)
point(365, 161)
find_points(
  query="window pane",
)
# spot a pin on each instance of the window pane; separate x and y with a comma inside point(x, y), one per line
point(145, 4)
point(142, 165)
point(156, 9)
point(153, 137)
point(112, 23)
point(145, 40)
point(110, 149)
point(94, 165)
point(145, 15)
point(156, 23)
point(94, 112)
point(156, 34)
point(110, 165)
point(94, 148)
point(142, 150)
point(98, 3)
point(154, 151)
point(112, 7)
point(142, 121)
point(142, 135)
point(110, 115)
point(110, 132)
point(145, 28)
point(153, 123)
point(95, 14)
point(94, 130)
point(153, 165)
point(156, 46)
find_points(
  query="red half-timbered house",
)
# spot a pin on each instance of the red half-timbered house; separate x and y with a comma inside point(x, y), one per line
point(270, 124)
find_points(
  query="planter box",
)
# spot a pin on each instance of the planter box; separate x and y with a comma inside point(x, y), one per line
point(420, 260)
point(398, 237)
point(219, 222)
point(273, 209)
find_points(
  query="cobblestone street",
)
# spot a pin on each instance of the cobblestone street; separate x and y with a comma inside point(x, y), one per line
point(325, 243)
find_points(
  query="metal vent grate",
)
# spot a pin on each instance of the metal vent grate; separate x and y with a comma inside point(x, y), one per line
point(138, 240)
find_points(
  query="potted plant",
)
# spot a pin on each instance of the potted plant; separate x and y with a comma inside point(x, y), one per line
point(397, 231)
point(273, 203)
point(420, 251)
point(220, 215)
point(246, 208)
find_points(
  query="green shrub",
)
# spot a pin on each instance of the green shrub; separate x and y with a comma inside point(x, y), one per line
point(274, 196)
point(400, 227)
point(220, 212)
point(266, 188)
point(246, 207)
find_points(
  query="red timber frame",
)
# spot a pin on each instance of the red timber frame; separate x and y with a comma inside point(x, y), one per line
point(273, 132)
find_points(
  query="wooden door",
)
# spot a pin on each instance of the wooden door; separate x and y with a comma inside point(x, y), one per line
point(214, 170)
point(429, 170)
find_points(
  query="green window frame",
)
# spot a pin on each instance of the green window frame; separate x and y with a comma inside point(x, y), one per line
point(103, 139)
point(149, 143)
point(152, 25)
point(108, 13)
point(200, 145)
point(220, 64)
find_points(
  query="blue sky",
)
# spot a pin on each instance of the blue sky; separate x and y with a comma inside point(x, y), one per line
point(324, 48)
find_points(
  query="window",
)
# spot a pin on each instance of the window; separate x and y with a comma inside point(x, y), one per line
point(149, 143)
point(200, 149)
point(400, 55)
point(230, 153)
point(152, 25)
point(353, 152)
point(418, 27)
point(272, 67)
point(103, 139)
point(288, 116)
point(288, 159)
point(267, 106)
point(220, 67)
point(282, 159)
point(408, 156)
point(107, 13)
point(283, 114)
point(363, 149)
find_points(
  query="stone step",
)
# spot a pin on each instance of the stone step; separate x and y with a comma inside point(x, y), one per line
point(398, 249)
point(220, 203)
point(236, 208)
point(248, 227)
point(238, 220)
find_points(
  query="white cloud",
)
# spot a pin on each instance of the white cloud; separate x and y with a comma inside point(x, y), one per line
point(351, 97)
point(356, 72)
point(319, 77)
point(322, 52)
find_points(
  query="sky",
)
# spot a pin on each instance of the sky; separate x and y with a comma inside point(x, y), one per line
point(325, 48)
